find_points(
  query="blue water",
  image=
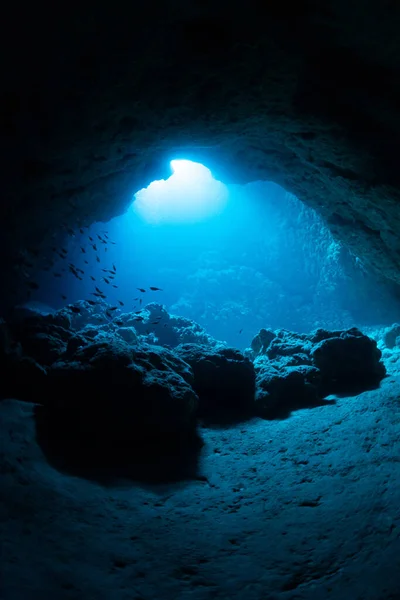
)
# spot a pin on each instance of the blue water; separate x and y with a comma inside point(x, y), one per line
point(261, 259)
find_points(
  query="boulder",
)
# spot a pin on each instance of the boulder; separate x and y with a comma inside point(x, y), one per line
point(391, 336)
point(349, 362)
point(224, 379)
point(281, 389)
point(112, 393)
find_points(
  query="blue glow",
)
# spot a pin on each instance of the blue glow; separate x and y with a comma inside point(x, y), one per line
point(190, 195)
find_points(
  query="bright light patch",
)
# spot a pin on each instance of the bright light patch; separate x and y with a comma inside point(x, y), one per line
point(190, 195)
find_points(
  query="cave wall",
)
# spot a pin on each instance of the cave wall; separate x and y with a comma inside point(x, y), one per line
point(97, 99)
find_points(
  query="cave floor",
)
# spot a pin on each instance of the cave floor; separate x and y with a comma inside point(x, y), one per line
point(303, 508)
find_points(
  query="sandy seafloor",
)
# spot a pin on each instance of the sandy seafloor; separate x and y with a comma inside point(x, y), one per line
point(303, 508)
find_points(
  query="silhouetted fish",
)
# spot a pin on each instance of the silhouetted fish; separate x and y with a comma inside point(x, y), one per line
point(155, 289)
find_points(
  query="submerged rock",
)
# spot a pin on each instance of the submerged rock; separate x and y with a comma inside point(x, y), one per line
point(281, 389)
point(262, 340)
point(391, 336)
point(297, 370)
point(149, 373)
point(348, 362)
point(111, 392)
point(224, 379)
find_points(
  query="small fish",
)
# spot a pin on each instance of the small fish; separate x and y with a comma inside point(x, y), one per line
point(86, 262)
point(112, 243)
point(92, 278)
point(81, 230)
point(74, 309)
point(57, 275)
point(63, 296)
point(141, 290)
point(97, 290)
point(121, 303)
point(106, 280)
point(90, 238)
point(240, 331)
point(80, 271)
point(83, 250)
point(155, 289)
point(98, 259)
point(135, 299)
point(113, 308)
point(100, 238)
point(119, 322)
point(91, 302)
point(33, 285)
point(105, 249)
point(114, 286)
point(94, 247)
point(155, 322)
point(114, 268)
point(109, 315)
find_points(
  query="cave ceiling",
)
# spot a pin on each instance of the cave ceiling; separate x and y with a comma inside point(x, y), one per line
point(96, 100)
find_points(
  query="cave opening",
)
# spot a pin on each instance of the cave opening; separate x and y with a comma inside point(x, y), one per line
point(232, 258)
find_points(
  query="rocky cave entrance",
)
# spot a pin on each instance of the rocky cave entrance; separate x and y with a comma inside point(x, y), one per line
point(135, 464)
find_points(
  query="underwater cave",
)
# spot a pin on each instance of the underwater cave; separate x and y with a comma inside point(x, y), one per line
point(200, 309)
